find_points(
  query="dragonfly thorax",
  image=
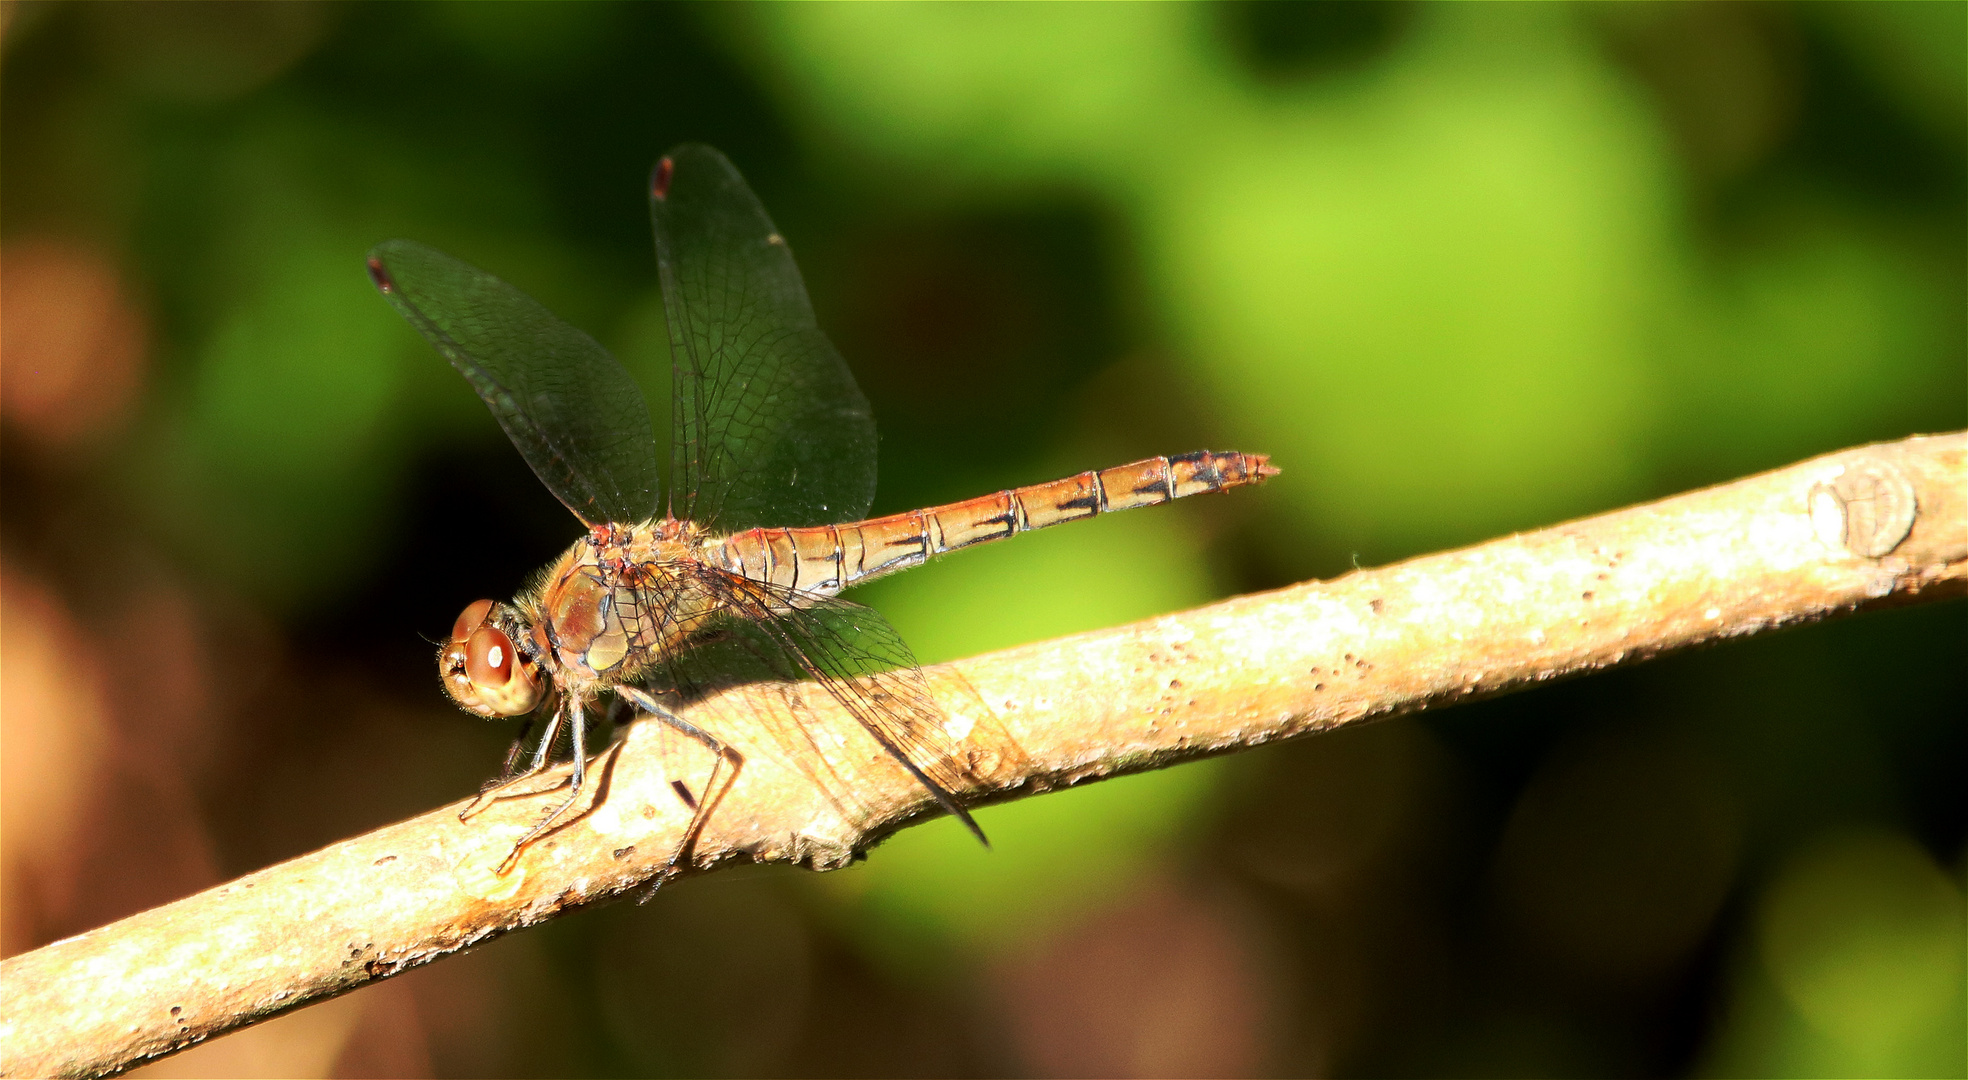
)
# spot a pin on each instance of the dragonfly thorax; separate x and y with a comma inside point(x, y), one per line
point(614, 603)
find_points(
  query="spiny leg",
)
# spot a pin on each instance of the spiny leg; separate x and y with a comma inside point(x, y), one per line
point(713, 791)
point(510, 770)
point(577, 717)
point(502, 788)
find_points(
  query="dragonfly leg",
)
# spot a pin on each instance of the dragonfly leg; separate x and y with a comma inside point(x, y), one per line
point(501, 789)
point(713, 789)
point(577, 724)
point(511, 768)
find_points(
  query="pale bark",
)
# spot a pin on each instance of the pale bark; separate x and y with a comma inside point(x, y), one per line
point(1878, 525)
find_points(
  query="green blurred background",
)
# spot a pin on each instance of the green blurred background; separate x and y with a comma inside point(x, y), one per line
point(1461, 269)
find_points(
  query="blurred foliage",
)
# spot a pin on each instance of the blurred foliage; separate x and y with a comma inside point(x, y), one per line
point(1460, 269)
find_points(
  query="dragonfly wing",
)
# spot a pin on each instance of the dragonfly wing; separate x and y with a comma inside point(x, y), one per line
point(851, 651)
point(769, 427)
point(573, 411)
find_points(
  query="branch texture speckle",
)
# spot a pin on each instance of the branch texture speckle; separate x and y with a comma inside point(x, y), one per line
point(1878, 525)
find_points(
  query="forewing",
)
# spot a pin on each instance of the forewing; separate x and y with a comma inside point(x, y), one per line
point(769, 426)
point(573, 411)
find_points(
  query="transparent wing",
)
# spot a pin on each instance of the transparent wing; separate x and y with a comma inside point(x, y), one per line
point(573, 411)
point(769, 428)
point(862, 662)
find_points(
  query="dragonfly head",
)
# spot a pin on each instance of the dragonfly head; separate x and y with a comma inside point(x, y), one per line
point(483, 670)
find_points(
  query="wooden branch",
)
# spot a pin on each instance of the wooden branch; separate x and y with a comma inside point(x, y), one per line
point(1878, 525)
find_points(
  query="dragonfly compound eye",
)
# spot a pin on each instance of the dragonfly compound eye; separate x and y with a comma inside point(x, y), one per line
point(482, 671)
point(469, 620)
point(502, 680)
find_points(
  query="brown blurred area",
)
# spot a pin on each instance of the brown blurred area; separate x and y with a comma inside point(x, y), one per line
point(1176, 979)
point(118, 697)
point(135, 703)
point(75, 342)
point(81, 795)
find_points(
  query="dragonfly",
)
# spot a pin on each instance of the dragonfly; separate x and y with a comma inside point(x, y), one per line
point(763, 522)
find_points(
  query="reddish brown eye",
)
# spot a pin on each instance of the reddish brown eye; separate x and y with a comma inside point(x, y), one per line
point(482, 671)
point(489, 658)
point(470, 619)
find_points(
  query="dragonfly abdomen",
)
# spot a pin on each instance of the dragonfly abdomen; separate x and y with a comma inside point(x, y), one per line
point(825, 559)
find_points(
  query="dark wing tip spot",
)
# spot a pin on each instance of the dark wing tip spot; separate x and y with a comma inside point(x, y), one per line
point(379, 275)
point(975, 829)
point(659, 180)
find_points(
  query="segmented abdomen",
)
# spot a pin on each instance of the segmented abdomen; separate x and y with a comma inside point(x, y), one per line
point(827, 558)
